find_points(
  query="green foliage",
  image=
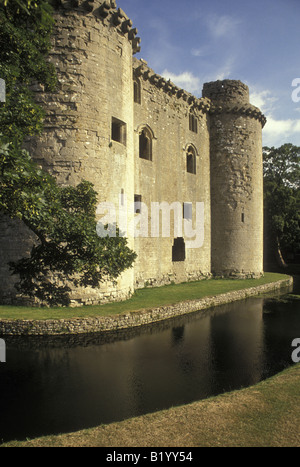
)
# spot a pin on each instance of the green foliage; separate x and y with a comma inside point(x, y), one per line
point(24, 42)
point(282, 196)
point(63, 219)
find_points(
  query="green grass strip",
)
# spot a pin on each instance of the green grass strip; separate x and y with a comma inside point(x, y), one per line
point(143, 298)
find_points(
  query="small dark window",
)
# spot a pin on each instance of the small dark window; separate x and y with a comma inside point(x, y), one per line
point(137, 91)
point(137, 204)
point(193, 123)
point(243, 217)
point(145, 145)
point(178, 250)
point(191, 160)
point(118, 131)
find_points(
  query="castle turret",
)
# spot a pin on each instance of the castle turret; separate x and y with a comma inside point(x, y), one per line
point(88, 127)
point(236, 180)
point(89, 122)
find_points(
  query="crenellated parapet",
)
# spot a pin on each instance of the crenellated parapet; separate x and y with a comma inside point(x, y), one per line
point(142, 70)
point(108, 12)
point(247, 110)
point(231, 97)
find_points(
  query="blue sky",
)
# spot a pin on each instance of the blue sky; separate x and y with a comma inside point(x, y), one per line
point(258, 42)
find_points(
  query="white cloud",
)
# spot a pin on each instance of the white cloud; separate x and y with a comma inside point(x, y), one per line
point(201, 51)
point(264, 100)
point(277, 131)
point(222, 26)
point(185, 80)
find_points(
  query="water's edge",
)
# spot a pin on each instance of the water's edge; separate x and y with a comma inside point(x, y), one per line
point(51, 327)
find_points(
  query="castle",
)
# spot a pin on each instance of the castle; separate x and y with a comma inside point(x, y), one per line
point(139, 138)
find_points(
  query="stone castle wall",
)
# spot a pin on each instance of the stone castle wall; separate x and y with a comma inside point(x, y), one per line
point(136, 136)
point(165, 112)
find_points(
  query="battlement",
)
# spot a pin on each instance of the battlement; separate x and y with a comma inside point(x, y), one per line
point(107, 11)
point(142, 70)
point(244, 110)
point(231, 96)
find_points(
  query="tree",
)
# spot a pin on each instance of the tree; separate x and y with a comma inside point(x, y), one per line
point(25, 42)
point(68, 250)
point(282, 198)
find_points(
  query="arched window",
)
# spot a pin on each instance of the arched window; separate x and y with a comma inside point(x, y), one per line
point(137, 90)
point(145, 144)
point(191, 160)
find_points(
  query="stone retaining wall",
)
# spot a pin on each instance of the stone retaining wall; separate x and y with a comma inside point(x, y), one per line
point(131, 319)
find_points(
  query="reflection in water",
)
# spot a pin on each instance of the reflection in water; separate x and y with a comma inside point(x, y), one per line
point(177, 335)
point(238, 343)
point(52, 385)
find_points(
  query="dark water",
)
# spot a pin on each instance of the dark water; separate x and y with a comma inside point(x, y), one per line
point(54, 385)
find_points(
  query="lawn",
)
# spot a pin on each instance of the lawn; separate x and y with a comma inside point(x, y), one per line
point(143, 298)
point(264, 415)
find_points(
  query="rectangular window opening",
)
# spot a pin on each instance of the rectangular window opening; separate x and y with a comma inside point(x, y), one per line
point(118, 131)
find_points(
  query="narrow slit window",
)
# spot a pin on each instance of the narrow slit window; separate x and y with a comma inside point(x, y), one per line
point(137, 91)
point(122, 196)
point(193, 123)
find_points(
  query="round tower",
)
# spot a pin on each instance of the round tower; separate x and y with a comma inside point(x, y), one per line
point(236, 180)
point(88, 126)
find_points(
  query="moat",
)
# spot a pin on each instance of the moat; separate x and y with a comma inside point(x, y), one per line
point(63, 384)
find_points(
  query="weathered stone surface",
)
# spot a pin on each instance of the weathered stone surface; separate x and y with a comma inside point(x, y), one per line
point(101, 83)
point(236, 181)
